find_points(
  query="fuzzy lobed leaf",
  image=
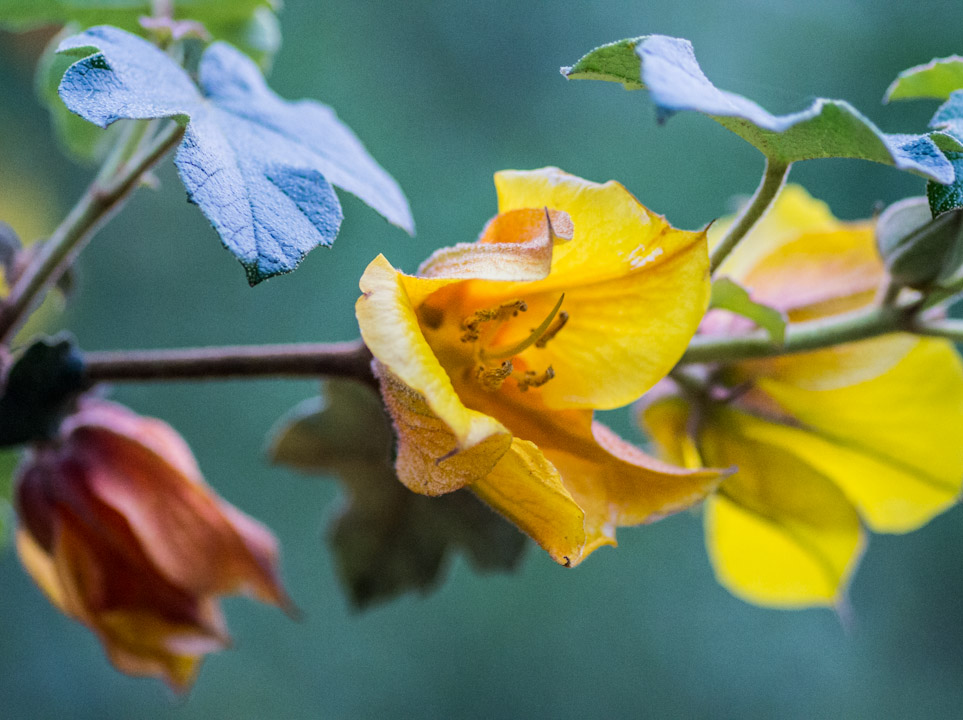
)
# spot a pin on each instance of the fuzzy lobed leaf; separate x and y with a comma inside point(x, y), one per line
point(386, 539)
point(826, 129)
point(260, 168)
point(948, 121)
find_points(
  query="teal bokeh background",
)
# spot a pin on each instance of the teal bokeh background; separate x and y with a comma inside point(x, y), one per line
point(444, 94)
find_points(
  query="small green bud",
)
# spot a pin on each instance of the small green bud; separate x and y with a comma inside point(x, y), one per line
point(920, 251)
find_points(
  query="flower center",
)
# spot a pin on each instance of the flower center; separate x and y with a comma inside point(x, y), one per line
point(495, 364)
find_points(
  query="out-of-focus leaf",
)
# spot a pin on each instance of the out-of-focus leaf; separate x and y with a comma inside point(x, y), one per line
point(935, 79)
point(250, 25)
point(9, 247)
point(79, 139)
point(39, 390)
point(826, 129)
point(8, 463)
point(386, 539)
point(729, 295)
point(259, 167)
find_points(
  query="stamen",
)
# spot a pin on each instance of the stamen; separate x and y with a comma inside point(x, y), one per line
point(552, 330)
point(492, 378)
point(528, 341)
point(472, 324)
point(534, 379)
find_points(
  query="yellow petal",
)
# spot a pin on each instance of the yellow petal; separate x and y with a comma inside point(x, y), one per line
point(430, 461)
point(894, 444)
point(516, 245)
point(833, 367)
point(635, 290)
point(527, 489)
point(816, 270)
point(794, 212)
point(614, 483)
point(389, 327)
point(40, 566)
point(666, 421)
point(779, 533)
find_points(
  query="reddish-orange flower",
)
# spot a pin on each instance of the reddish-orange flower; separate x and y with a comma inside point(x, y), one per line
point(120, 531)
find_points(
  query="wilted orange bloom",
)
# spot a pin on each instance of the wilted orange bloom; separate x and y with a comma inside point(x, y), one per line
point(493, 357)
point(120, 531)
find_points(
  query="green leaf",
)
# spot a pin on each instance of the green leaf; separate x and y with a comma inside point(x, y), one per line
point(386, 539)
point(40, 390)
point(78, 138)
point(935, 79)
point(259, 167)
point(10, 246)
point(8, 464)
point(898, 221)
point(250, 25)
point(949, 116)
point(948, 119)
point(944, 198)
point(727, 294)
point(921, 251)
point(826, 129)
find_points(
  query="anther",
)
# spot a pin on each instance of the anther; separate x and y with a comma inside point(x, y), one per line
point(472, 324)
point(534, 379)
point(524, 344)
point(492, 378)
point(553, 329)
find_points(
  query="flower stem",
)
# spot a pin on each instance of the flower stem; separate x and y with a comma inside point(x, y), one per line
point(350, 360)
point(772, 182)
point(949, 329)
point(800, 337)
point(101, 200)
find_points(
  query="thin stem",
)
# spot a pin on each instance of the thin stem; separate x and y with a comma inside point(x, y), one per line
point(350, 360)
point(800, 337)
point(101, 200)
point(949, 329)
point(772, 182)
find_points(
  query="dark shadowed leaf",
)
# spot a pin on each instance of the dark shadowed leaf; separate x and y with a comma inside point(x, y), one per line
point(729, 295)
point(39, 390)
point(667, 68)
point(259, 167)
point(386, 539)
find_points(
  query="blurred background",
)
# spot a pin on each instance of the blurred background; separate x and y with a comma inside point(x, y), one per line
point(444, 94)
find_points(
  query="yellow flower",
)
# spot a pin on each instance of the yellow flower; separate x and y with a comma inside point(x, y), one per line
point(825, 441)
point(491, 360)
point(119, 530)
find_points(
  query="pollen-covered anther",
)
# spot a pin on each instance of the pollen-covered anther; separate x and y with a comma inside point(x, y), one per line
point(472, 324)
point(530, 378)
point(553, 329)
point(492, 378)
